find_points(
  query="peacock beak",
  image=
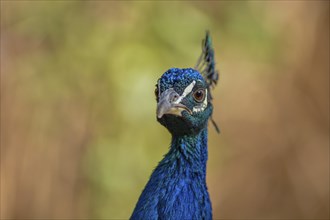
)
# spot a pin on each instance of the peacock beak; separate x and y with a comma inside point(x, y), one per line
point(169, 104)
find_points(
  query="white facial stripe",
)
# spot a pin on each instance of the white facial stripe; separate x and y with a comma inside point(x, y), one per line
point(202, 106)
point(186, 91)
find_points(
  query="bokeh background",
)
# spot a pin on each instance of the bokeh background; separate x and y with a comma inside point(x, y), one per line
point(79, 136)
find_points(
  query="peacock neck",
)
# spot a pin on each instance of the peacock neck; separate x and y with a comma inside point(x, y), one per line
point(188, 153)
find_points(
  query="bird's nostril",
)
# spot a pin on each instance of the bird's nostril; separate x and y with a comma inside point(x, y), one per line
point(174, 98)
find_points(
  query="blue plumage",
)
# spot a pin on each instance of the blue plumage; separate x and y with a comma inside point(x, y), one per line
point(177, 187)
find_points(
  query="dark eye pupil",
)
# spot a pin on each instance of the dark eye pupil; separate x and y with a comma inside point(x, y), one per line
point(199, 95)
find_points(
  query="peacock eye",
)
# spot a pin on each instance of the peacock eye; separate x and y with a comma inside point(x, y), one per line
point(199, 95)
point(156, 92)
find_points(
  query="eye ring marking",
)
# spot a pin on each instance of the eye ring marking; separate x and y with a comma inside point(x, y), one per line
point(199, 95)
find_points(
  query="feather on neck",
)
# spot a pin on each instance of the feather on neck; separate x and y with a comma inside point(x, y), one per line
point(177, 187)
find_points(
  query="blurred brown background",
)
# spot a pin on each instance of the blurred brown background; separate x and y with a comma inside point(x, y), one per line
point(79, 137)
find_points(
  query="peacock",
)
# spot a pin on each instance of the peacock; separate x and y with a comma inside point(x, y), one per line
point(177, 187)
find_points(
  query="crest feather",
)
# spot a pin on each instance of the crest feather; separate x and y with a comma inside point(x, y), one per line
point(206, 66)
point(206, 62)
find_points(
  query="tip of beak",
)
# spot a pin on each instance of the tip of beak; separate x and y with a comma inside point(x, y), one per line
point(173, 110)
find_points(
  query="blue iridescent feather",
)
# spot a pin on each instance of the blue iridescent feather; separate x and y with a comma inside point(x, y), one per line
point(177, 187)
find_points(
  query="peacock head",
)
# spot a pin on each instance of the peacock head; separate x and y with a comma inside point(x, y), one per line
point(183, 101)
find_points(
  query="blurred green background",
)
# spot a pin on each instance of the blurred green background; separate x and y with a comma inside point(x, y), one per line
point(79, 136)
